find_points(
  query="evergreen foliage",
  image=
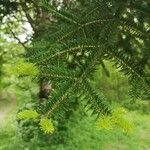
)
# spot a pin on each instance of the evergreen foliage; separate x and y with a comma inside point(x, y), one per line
point(24, 69)
point(84, 39)
point(79, 39)
point(117, 119)
point(46, 125)
point(28, 114)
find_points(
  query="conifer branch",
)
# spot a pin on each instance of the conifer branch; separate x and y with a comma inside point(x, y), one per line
point(79, 47)
point(61, 77)
point(56, 12)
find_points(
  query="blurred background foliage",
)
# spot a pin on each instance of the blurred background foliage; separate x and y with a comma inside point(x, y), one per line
point(116, 88)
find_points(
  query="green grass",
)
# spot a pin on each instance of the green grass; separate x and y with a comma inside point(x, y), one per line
point(83, 135)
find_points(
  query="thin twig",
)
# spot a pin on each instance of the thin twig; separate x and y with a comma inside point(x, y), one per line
point(19, 41)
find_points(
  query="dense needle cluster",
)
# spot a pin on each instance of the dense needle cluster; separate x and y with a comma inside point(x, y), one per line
point(79, 39)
